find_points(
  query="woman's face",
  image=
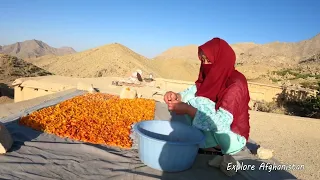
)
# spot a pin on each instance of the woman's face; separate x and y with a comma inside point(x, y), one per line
point(203, 58)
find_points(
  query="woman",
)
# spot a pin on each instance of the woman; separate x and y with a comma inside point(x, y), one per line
point(218, 102)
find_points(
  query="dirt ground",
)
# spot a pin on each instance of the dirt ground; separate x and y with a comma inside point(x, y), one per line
point(294, 140)
point(5, 100)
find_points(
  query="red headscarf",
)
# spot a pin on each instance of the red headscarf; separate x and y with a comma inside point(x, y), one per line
point(212, 83)
point(221, 83)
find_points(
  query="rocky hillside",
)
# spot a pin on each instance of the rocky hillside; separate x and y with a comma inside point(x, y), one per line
point(33, 48)
point(274, 53)
point(109, 60)
point(306, 73)
point(313, 59)
point(12, 68)
point(279, 53)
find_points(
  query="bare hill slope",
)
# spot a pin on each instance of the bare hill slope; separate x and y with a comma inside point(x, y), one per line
point(180, 69)
point(189, 52)
point(109, 60)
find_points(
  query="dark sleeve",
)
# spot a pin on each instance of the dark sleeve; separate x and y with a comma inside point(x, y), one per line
point(236, 98)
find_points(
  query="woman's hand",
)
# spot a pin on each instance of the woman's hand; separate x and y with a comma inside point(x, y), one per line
point(182, 108)
point(171, 96)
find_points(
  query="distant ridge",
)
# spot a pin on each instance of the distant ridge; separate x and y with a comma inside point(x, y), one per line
point(33, 48)
point(273, 52)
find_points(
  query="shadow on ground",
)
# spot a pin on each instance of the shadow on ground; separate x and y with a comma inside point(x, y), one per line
point(20, 134)
point(5, 90)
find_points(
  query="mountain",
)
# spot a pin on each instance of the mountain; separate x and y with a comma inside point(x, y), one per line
point(248, 53)
point(109, 60)
point(33, 48)
point(181, 69)
point(189, 52)
point(281, 53)
point(253, 60)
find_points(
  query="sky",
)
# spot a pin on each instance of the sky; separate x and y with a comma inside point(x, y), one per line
point(150, 27)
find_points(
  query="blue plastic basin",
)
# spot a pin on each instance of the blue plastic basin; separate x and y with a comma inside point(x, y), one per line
point(169, 146)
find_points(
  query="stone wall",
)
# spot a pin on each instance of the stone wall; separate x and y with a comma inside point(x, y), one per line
point(26, 93)
point(258, 91)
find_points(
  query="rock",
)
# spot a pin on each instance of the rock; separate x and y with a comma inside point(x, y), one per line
point(85, 87)
point(17, 82)
point(128, 93)
point(265, 153)
point(288, 83)
point(6, 140)
point(252, 105)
